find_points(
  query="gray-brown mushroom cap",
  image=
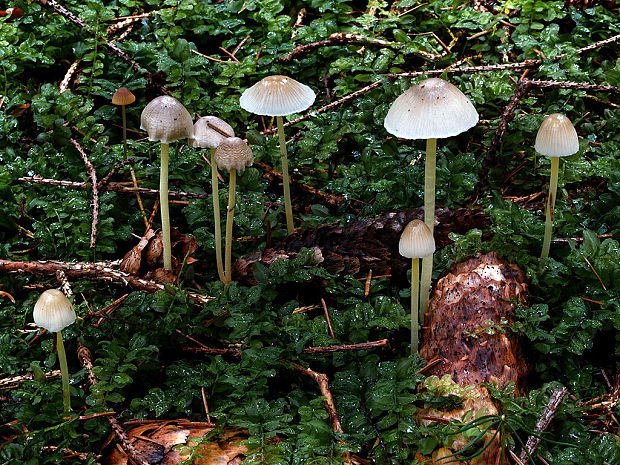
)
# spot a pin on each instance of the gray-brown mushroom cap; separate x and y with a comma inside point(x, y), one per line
point(557, 137)
point(432, 109)
point(53, 311)
point(416, 240)
point(233, 153)
point(206, 136)
point(165, 119)
point(277, 96)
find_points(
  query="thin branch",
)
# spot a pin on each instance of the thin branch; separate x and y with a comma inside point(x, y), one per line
point(573, 85)
point(112, 187)
point(106, 179)
point(533, 441)
point(91, 271)
point(348, 347)
point(90, 169)
point(85, 358)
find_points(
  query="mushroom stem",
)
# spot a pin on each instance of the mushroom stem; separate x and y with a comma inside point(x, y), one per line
point(133, 174)
point(229, 225)
point(429, 220)
point(415, 296)
point(550, 208)
point(216, 217)
point(64, 371)
point(163, 205)
point(285, 180)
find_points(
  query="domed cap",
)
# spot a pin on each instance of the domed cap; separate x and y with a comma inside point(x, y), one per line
point(556, 137)
point(123, 96)
point(233, 153)
point(432, 109)
point(416, 240)
point(53, 311)
point(165, 119)
point(206, 136)
point(277, 96)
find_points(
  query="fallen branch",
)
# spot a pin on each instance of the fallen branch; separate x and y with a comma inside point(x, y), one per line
point(111, 186)
point(14, 381)
point(341, 38)
point(90, 169)
point(85, 359)
point(533, 441)
point(92, 271)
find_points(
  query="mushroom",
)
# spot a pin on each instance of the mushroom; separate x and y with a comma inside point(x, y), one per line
point(416, 241)
point(432, 109)
point(556, 138)
point(122, 97)
point(279, 96)
point(210, 131)
point(54, 312)
point(165, 120)
point(232, 154)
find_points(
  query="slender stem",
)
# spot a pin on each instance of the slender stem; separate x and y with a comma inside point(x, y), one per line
point(549, 210)
point(429, 220)
point(415, 297)
point(216, 217)
point(64, 371)
point(133, 175)
point(163, 205)
point(285, 180)
point(229, 225)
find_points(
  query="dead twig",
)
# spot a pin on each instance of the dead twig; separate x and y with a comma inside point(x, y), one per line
point(533, 441)
point(90, 169)
point(106, 179)
point(92, 271)
point(85, 358)
point(329, 323)
point(13, 382)
point(111, 186)
point(347, 347)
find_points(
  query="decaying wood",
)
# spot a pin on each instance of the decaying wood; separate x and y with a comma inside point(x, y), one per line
point(362, 245)
point(467, 328)
point(543, 422)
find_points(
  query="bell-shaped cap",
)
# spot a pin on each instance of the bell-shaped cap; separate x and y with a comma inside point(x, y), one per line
point(277, 96)
point(416, 240)
point(123, 96)
point(53, 311)
point(432, 109)
point(165, 119)
point(206, 136)
point(233, 153)
point(557, 137)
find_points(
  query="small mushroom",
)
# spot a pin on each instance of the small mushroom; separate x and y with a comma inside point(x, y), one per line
point(556, 138)
point(165, 119)
point(432, 109)
point(54, 312)
point(210, 131)
point(416, 241)
point(232, 154)
point(279, 96)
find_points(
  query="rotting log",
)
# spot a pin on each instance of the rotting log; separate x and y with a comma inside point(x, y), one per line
point(360, 246)
point(468, 330)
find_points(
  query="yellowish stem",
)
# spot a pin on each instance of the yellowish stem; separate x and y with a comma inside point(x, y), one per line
point(229, 225)
point(415, 296)
point(163, 206)
point(216, 217)
point(550, 208)
point(64, 372)
point(285, 180)
point(429, 220)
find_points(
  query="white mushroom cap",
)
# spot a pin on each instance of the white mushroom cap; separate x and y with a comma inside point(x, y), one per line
point(432, 109)
point(556, 137)
point(53, 311)
point(416, 240)
point(233, 153)
point(277, 96)
point(206, 136)
point(165, 119)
